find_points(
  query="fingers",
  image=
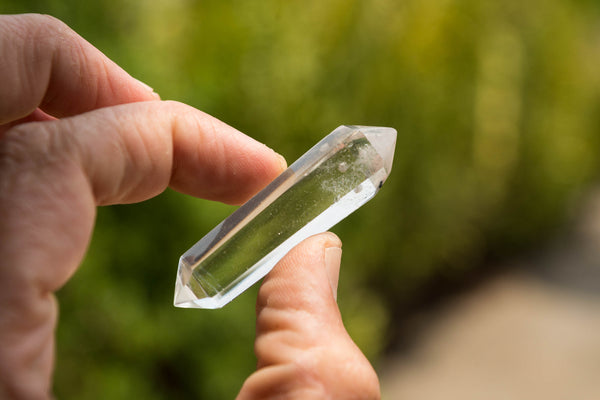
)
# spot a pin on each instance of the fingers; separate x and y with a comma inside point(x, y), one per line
point(132, 152)
point(302, 347)
point(45, 64)
point(54, 173)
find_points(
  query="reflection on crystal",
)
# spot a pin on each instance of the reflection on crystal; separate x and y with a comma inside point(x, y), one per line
point(334, 178)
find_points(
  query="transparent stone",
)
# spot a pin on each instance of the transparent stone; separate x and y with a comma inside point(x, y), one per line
point(334, 178)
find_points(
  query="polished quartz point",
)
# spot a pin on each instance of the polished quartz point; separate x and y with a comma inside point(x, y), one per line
point(337, 176)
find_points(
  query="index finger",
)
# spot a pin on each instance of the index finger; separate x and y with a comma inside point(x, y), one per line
point(45, 64)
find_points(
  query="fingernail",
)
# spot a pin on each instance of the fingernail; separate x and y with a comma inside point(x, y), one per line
point(282, 161)
point(148, 88)
point(333, 258)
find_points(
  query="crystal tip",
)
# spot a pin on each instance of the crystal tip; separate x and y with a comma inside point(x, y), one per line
point(383, 139)
point(186, 297)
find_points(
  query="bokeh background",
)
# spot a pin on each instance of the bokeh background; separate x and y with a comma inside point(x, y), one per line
point(497, 106)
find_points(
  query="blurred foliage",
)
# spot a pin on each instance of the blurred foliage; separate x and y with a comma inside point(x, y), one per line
point(498, 112)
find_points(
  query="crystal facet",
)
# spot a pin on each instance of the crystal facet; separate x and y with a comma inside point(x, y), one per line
point(334, 178)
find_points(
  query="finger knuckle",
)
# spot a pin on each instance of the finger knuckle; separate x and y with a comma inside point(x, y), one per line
point(14, 147)
point(36, 26)
point(32, 153)
point(49, 23)
point(14, 159)
point(28, 145)
point(178, 109)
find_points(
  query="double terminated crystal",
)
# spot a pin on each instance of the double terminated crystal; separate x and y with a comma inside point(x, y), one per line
point(337, 176)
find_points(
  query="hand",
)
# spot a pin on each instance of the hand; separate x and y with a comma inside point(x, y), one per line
point(303, 350)
point(76, 132)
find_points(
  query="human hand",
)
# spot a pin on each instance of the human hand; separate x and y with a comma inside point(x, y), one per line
point(303, 349)
point(76, 132)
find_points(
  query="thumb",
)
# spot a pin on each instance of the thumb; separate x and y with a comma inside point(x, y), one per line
point(302, 347)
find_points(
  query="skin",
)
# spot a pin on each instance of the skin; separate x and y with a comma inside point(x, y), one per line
point(77, 132)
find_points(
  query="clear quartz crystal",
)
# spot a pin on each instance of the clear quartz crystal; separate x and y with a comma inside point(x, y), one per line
point(334, 178)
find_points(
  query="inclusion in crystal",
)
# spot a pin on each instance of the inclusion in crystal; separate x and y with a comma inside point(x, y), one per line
point(334, 178)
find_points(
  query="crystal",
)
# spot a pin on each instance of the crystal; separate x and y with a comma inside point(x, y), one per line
point(334, 178)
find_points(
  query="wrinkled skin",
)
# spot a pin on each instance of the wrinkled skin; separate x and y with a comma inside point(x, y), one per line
point(76, 132)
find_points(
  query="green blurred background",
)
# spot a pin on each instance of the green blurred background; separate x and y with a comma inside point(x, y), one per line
point(497, 106)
